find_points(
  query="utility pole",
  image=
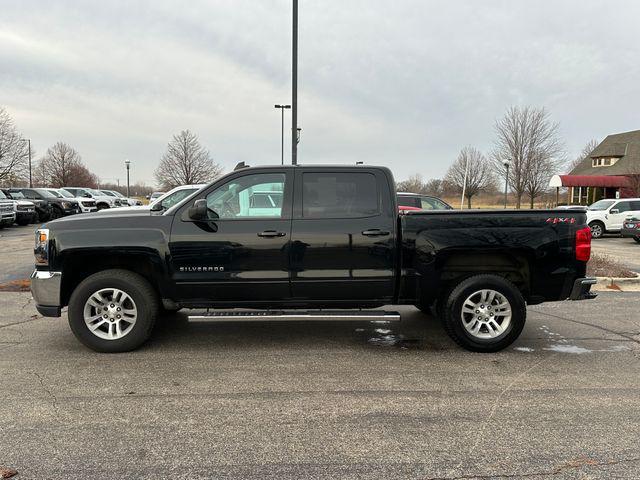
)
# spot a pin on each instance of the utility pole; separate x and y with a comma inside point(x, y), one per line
point(128, 164)
point(294, 87)
point(506, 164)
point(282, 109)
point(28, 140)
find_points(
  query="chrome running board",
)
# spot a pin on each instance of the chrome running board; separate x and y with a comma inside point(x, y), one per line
point(299, 316)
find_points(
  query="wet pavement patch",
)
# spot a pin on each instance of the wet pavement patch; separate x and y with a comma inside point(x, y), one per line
point(385, 336)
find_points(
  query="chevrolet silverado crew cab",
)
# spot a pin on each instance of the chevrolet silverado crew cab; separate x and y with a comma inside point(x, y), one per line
point(307, 242)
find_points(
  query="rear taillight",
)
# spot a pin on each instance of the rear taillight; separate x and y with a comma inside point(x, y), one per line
point(583, 244)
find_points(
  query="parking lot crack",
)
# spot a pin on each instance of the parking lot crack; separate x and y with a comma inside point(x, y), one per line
point(496, 402)
point(599, 327)
point(50, 394)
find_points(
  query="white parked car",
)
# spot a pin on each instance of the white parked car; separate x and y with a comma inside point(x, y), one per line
point(102, 201)
point(167, 200)
point(86, 205)
point(124, 200)
point(608, 215)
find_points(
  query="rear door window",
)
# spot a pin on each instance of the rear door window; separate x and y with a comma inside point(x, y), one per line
point(339, 195)
point(623, 207)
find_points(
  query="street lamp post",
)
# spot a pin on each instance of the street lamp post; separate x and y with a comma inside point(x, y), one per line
point(282, 109)
point(28, 140)
point(294, 86)
point(128, 164)
point(506, 164)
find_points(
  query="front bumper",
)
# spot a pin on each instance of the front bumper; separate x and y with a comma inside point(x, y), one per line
point(630, 232)
point(45, 288)
point(582, 289)
point(25, 215)
point(8, 218)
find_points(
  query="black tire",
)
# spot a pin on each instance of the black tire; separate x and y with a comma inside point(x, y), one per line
point(102, 206)
point(23, 222)
point(452, 314)
point(597, 229)
point(637, 238)
point(142, 293)
point(56, 212)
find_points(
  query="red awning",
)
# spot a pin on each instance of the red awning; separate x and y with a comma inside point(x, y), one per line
point(590, 181)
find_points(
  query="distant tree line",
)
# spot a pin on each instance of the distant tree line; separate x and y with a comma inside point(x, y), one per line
point(528, 139)
point(185, 161)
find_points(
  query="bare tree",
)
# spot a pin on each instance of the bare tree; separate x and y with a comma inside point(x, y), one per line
point(61, 166)
point(414, 184)
point(186, 162)
point(527, 137)
point(471, 173)
point(13, 151)
point(586, 151)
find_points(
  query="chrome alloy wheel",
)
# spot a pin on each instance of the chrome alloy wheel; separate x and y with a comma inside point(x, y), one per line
point(596, 230)
point(486, 314)
point(110, 313)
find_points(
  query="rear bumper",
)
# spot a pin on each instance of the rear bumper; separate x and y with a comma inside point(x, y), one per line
point(45, 288)
point(582, 289)
point(630, 232)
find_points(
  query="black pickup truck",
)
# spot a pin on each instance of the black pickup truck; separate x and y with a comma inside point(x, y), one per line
point(289, 238)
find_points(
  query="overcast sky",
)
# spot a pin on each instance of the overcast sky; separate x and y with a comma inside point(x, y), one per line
point(401, 83)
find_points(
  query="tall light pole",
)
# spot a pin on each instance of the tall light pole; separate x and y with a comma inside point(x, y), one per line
point(506, 164)
point(282, 109)
point(294, 87)
point(28, 140)
point(128, 164)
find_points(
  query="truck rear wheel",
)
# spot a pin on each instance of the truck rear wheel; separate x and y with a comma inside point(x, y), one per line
point(113, 311)
point(484, 313)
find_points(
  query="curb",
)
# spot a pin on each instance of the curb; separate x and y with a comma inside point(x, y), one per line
point(617, 283)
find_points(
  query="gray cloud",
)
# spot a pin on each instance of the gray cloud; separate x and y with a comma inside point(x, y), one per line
point(404, 84)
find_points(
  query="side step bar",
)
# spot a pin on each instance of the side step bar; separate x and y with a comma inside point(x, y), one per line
point(299, 315)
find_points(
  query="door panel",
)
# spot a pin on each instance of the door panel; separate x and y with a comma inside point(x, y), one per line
point(343, 237)
point(242, 254)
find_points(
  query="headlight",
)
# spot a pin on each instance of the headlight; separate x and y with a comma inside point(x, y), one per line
point(41, 250)
point(67, 205)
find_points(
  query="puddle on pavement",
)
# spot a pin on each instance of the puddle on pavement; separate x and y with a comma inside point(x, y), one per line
point(383, 334)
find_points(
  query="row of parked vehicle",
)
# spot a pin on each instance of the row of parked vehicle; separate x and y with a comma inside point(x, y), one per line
point(24, 205)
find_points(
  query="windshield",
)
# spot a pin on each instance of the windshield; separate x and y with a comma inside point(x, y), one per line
point(95, 193)
point(65, 193)
point(55, 193)
point(2, 195)
point(17, 195)
point(118, 194)
point(170, 199)
point(601, 205)
point(45, 193)
point(107, 192)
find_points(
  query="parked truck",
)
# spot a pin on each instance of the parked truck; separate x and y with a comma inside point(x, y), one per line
point(328, 243)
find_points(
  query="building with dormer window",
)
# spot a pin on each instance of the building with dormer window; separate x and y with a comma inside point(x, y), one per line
point(611, 170)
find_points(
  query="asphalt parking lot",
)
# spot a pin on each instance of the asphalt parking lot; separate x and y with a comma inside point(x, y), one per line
point(624, 250)
point(321, 400)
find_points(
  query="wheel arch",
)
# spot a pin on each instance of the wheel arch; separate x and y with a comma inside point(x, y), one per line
point(81, 265)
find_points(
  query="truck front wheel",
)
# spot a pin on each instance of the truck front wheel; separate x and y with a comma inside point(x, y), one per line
point(484, 313)
point(113, 311)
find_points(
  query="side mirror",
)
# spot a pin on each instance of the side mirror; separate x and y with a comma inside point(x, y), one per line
point(613, 211)
point(199, 210)
point(87, 195)
point(158, 207)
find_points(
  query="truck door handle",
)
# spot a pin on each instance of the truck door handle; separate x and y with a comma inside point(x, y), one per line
point(271, 234)
point(375, 232)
